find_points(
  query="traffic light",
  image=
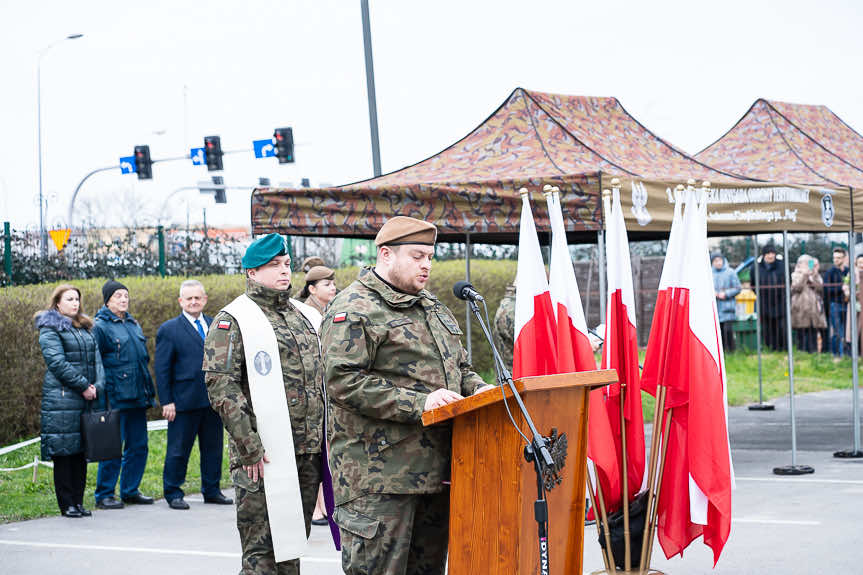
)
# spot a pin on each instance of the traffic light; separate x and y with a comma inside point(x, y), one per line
point(143, 163)
point(284, 140)
point(220, 190)
point(213, 149)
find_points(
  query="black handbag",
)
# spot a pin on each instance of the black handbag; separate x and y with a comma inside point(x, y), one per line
point(100, 433)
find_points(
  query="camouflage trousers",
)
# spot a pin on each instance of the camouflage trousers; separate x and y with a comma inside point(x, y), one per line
point(253, 522)
point(386, 534)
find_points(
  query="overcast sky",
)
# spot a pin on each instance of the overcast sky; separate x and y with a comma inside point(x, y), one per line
point(183, 70)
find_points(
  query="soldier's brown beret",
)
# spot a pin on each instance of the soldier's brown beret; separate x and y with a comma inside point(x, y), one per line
point(402, 230)
point(311, 262)
point(319, 273)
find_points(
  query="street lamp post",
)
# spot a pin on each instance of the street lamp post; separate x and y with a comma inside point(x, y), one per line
point(42, 239)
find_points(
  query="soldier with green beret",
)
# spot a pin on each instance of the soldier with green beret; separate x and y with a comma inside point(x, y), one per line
point(235, 384)
point(393, 351)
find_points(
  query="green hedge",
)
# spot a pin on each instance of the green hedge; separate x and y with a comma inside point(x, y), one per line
point(153, 301)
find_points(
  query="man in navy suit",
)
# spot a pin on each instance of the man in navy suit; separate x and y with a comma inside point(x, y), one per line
point(183, 395)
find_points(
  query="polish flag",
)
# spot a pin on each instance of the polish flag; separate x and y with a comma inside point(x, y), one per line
point(685, 355)
point(574, 353)
point(620, 352)
point(535, 347)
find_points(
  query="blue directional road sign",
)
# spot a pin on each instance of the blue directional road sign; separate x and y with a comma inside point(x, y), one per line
point(199, 156)
point(127, 165)
point(264, 148)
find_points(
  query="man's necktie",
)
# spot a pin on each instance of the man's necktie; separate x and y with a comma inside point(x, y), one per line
point(200, 328)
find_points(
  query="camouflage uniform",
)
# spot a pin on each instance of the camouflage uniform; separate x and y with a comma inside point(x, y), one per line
point(386, 352)
point(315, 303)
point(228, 388)
point(504, 326)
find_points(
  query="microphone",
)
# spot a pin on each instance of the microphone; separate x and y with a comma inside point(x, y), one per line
point(463, 290)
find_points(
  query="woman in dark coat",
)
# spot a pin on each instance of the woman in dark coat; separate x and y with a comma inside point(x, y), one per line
point(130, 391)
point(74, 375)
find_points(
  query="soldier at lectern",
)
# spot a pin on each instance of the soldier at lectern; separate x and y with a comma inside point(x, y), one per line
point(393, 350)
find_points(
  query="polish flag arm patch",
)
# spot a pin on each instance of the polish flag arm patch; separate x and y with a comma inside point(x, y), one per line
point(224, 324)
point(340, 317)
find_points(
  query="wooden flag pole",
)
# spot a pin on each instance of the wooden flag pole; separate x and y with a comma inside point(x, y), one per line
point(652, 481)
point(605, 521)
point(624, 496)
point(602, 525)
point(624, 500)
point(651, 474)
point(659, 483)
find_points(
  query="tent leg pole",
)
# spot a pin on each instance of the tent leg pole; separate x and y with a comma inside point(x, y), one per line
point(855, 452)
point(760, 406)
point(792, 469)
point(467, 251)
point(600, 241)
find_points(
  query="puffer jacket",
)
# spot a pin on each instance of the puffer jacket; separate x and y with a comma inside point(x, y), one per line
point(726, 280)
point(125, 357)
point(73, 363)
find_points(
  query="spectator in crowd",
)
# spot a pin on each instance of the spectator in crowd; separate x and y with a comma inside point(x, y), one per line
point(320, 288)
point(73, 376)
point(129, 390)
point(807, 313)
point(185, 404)
point(858, 277)
point(834, 299)
point(726, 284)
point(771, 298)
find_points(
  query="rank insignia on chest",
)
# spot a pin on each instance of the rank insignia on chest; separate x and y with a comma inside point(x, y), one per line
point(340, 317)
point(224, 324)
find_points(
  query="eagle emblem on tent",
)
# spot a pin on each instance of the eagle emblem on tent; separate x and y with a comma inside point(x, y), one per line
point(827, 209)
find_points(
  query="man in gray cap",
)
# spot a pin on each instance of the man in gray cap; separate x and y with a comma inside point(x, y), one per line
point(393, 350)
point(263, 371)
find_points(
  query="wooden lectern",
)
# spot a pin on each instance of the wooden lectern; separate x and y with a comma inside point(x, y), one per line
point(492, 529)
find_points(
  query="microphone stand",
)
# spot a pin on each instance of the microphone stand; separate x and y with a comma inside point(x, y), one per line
point(536, 451)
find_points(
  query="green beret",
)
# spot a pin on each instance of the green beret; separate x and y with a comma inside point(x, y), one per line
point(264, 249)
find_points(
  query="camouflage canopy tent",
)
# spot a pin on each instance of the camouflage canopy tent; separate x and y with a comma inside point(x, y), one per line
point(577, 143)
point(802, 144)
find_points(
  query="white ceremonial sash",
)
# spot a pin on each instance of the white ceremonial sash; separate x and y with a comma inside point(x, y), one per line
point(312, 314)
point(267, 387)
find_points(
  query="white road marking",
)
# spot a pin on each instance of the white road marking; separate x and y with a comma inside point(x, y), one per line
point(772, 521)
point(149, 550)
point(802, 480)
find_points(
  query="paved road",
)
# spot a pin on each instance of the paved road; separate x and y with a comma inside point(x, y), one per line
point(797, 525)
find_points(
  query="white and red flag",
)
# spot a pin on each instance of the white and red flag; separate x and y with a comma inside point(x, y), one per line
point(535, 350)
point(684, 355)
point(574, 353)
point(620, 352)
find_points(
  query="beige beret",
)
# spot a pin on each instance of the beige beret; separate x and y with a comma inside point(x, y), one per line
point(402, 230)
point(319, 273)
